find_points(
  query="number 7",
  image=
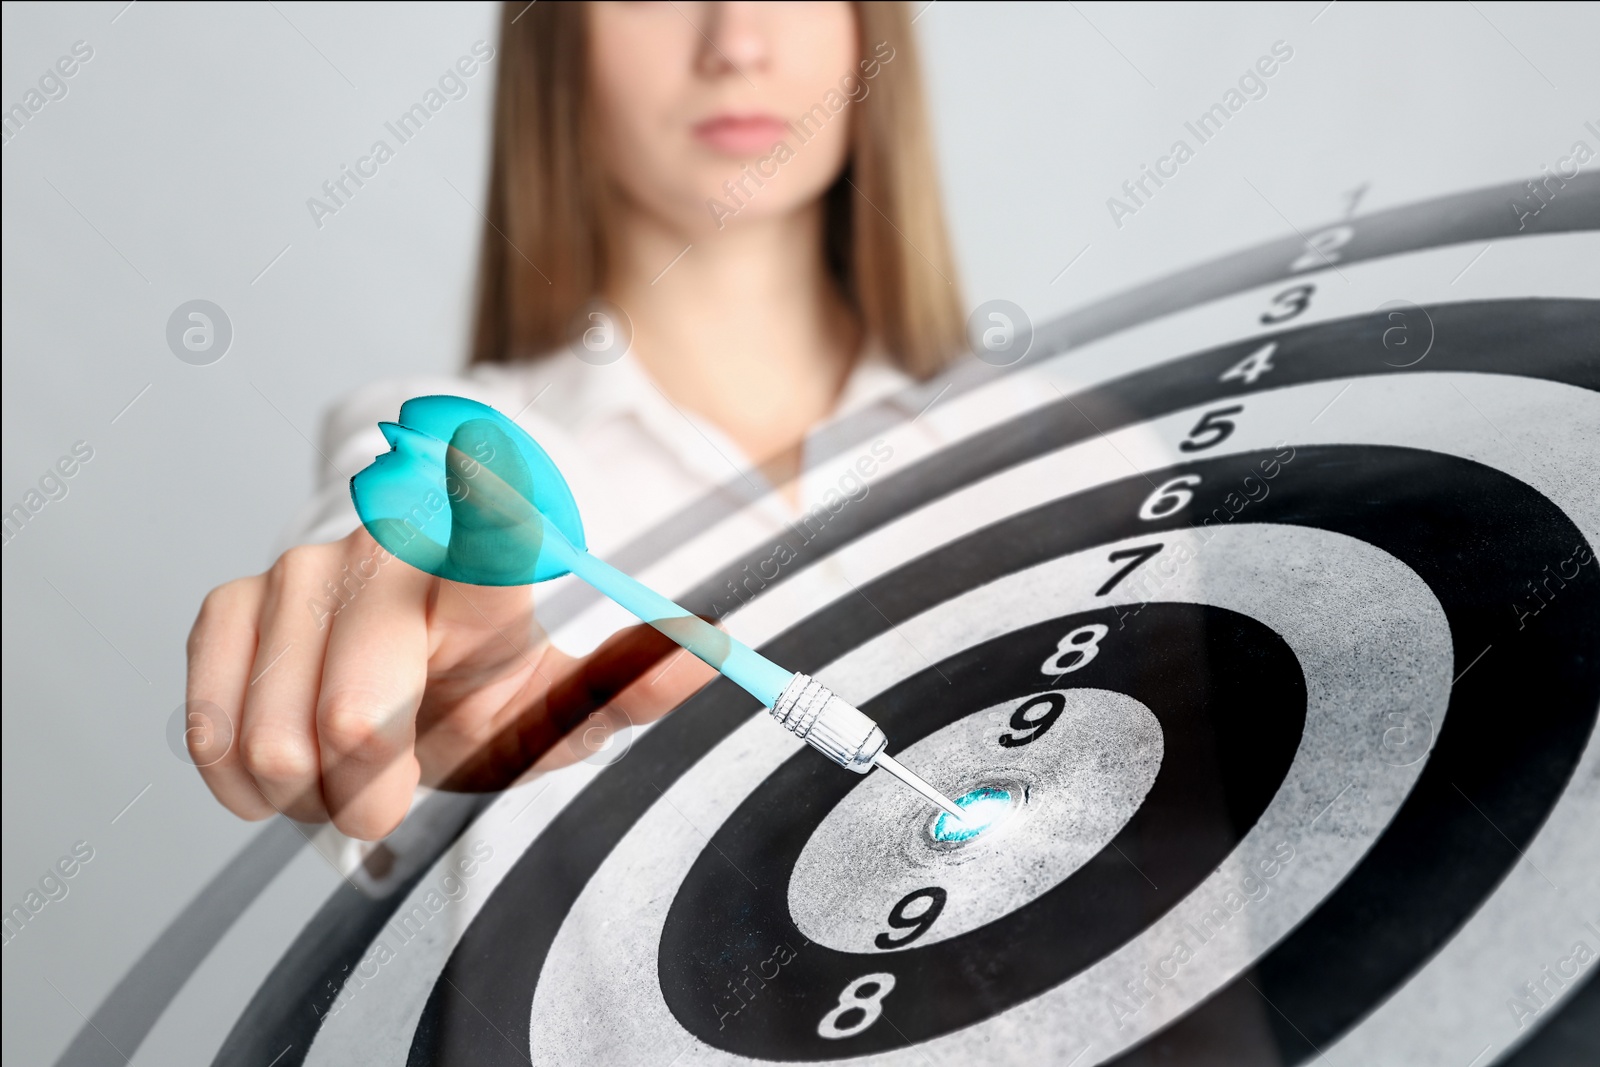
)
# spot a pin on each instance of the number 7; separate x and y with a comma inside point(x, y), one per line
point(1137, 555)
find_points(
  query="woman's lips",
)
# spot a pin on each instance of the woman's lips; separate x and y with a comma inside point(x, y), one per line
point(741, 135)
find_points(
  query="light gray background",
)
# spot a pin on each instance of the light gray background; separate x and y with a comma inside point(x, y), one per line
point(178, 168)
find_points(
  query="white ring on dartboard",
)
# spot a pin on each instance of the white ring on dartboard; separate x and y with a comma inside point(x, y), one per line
point(1084, 777)
point(1319, 591)
point(1416, 411)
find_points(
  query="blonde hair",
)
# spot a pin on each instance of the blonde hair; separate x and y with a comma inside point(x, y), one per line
point(886, 241)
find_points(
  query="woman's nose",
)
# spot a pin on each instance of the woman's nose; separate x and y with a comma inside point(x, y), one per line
point(735, 38)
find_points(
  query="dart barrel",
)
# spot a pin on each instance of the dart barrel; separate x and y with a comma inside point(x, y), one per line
point(812, 712)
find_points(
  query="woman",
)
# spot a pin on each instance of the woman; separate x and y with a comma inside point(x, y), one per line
point(710, 227)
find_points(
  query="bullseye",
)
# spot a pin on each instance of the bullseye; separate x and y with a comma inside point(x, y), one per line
point(1035, 813)
point(985, 808)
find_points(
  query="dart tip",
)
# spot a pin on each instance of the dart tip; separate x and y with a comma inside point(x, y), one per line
point(918, 784)
point(954, 809)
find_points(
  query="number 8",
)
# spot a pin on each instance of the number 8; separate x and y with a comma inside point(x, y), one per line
point(851, 1000)
point(1082, 643)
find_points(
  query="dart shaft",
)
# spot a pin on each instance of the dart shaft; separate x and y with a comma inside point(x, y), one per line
point(800, 704)
point(842, 732)
point(747, 668)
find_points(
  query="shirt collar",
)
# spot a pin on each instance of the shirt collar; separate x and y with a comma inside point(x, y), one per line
point(581, 395)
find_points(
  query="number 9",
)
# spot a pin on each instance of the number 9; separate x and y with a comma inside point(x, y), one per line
point(1053, 703)
point(918, 924)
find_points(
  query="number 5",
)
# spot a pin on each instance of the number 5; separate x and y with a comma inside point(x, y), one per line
point(1215, 425)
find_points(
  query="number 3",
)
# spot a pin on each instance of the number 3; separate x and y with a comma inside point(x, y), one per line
point(870, 1006)
point(1292, 301)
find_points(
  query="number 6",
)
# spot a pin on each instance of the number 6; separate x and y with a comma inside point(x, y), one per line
point(1169, 498)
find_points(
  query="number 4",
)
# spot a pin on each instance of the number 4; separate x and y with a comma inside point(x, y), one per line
point(1252, 366)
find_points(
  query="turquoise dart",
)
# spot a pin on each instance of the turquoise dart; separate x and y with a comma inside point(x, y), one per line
point(465, 494)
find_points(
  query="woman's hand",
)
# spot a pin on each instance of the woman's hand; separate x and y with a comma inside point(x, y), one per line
point(348, 676)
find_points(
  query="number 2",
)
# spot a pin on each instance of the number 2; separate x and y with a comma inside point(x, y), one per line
point(864, 996)
point(1321, 248)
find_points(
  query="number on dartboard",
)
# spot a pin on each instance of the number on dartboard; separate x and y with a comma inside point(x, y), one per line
point(1354, 197)
point(1251, 367)
point(918, 924)
point(1322, 248)
point(1290, 303)
point(1137, 555)
point(1170, 497)
point(1083, 644)
point(1212, 429)
point(861, 1002)
point(1052, 703)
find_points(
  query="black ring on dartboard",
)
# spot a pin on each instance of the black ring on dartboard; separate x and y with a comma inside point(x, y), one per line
point(1471, 533)
point(1231, 701)
point(1549, 339)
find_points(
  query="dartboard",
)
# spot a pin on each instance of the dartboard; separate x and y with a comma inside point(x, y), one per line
point(1268, 621)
